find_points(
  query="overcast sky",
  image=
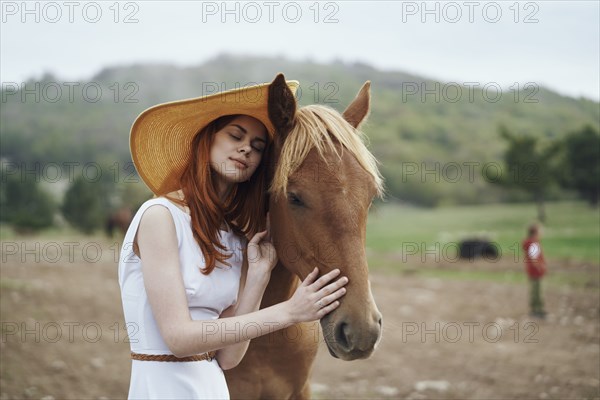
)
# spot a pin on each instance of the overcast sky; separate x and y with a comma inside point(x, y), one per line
point(552, 43)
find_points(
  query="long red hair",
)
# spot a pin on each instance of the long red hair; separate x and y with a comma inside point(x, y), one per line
point(244, 209)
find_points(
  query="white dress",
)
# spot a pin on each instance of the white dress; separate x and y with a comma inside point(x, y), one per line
point(207, 296)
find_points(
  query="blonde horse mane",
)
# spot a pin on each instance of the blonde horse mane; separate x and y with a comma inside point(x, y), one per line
point(316, 126)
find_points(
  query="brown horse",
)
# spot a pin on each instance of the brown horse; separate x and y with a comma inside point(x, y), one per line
point(323, 182)
point(120, 219)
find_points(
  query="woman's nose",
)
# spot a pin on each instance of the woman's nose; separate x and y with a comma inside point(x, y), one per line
point(245, 148)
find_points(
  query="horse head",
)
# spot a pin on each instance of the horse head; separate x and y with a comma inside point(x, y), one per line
point(322, 185)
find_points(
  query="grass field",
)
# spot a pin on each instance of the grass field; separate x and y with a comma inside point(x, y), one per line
point(403, 238)
point(571, 232)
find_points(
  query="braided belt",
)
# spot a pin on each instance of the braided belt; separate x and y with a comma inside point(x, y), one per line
point(170, 357)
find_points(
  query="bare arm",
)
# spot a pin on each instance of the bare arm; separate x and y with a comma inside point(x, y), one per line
point(157, 241)
point(249, 301)
point(260, 258)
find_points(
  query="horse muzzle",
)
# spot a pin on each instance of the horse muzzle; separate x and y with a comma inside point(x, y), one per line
point(347, 339)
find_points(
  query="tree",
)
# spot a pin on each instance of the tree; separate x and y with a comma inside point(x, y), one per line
point(24, 204)
point(581, 163)
point(527, 167)
point(84, 205)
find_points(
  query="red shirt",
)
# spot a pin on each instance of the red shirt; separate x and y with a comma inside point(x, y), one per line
point(534, 258)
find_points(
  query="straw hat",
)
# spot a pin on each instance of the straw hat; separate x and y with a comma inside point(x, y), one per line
point(161, 136)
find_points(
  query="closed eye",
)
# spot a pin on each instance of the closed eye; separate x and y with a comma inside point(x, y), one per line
point(238, 138)
point(294, 199)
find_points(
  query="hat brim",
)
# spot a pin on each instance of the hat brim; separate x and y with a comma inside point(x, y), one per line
point(161, 136)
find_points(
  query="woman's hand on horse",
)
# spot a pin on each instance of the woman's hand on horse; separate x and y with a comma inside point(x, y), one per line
point(262, 256)
point(315, 298)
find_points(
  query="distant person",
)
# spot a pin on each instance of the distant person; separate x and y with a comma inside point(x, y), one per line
point(536, 268)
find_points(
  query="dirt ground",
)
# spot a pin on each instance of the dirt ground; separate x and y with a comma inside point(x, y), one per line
point(63, 334)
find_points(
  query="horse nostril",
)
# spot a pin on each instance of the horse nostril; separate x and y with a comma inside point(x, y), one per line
point(380, 322)
point(341, 336)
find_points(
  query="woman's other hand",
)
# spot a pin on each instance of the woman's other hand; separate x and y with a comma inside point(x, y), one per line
point(262, 256)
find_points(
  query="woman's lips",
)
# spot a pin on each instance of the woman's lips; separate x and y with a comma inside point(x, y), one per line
point(239, 164)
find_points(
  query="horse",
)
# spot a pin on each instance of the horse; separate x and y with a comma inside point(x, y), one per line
point(323, 180)
point(120, 218)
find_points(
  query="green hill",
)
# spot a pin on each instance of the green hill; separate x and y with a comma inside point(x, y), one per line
point(410, 133)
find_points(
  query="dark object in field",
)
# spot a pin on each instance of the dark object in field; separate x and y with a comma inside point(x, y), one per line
point(118, 219)
point(474, 248)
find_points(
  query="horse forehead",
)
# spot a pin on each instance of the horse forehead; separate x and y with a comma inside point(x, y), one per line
point(331, 172)
point(336, 180)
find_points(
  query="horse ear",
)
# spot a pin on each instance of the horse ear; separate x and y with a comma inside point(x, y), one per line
point(358, 110)
point(282, 107)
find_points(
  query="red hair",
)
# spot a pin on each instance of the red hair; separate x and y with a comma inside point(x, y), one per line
point(244, 209)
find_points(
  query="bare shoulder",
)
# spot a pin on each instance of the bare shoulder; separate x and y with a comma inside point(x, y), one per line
point(156, 227)
point(156, 216)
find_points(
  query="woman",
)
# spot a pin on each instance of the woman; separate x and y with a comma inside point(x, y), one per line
point(190, 307)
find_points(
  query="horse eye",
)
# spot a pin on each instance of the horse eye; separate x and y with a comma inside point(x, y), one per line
point(294, 199)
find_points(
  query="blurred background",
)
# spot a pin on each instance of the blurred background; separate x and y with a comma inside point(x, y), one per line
point(485, 118)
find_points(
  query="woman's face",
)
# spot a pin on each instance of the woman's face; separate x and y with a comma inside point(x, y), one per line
point(238, 148)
